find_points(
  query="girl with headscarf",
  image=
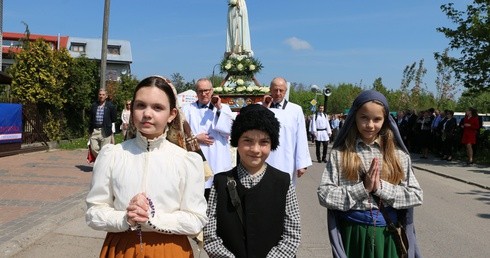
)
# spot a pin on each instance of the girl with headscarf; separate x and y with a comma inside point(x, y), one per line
point(147, 192)
point(369, 173)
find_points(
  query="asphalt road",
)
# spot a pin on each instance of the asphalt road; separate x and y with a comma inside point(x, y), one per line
point(453, 222)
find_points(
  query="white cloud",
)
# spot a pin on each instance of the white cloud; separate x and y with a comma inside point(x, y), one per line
point(298, 44)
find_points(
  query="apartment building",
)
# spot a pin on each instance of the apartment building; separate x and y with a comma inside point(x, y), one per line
point(119, 57)
point(11, 43)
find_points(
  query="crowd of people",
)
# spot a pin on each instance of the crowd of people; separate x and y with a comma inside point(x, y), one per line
point(173, 179)
point(439, 133)
point(151, 195)
point(427, 132)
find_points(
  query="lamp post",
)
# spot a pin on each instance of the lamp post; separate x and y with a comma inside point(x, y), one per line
point(105, 35)
point(315, 89)
point(212, 76)
point(214, 67)
point(326, 93)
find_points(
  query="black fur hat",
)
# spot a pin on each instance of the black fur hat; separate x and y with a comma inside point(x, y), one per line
point(255, 117)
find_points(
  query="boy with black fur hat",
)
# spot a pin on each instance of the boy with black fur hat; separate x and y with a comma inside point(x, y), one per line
point(252, 209)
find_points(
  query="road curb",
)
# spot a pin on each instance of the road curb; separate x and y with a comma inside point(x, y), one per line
point(452, 177)
point(25, 239)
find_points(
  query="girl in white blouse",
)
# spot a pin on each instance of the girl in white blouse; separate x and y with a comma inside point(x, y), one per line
point(147, 192)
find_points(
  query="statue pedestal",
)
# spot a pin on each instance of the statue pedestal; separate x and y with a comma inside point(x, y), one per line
point(236, 101)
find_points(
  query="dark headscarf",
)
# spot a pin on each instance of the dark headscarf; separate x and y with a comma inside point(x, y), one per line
point(366, 96)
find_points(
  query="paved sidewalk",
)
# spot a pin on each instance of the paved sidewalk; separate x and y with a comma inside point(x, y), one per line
point(38, 192)
point(475, 174)
point(42, 195)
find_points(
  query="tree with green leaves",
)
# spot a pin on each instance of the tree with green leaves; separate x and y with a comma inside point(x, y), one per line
point(407, 78)
point(80, 90)
point(178, 81)
point(378, 86)
point(216, 80)
point(302, 97)
point(189, 85)
point(393, 97)
point(481, 102)
point(39, 76)
point(418, 90)
point(446, 85)
point(472, 38)
point(125, 89)
point(418, 80)
point(411, 73)
point(394, 100)
point(342, 97)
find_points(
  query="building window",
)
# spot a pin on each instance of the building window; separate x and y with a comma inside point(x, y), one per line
point(112, 75)
point(114, 50)
point(11, 43)
point(77, 47)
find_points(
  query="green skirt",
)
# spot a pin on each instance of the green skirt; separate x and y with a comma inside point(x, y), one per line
point(365, 241)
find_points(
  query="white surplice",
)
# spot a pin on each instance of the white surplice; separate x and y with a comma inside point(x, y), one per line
point(205, 120)
point(292, 153)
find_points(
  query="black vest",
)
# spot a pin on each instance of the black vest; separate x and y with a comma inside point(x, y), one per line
point(264, 208)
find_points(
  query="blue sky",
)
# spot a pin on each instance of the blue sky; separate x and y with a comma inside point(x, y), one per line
point(310, 42)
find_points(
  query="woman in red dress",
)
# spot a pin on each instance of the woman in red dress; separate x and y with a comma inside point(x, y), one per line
point(471, 127)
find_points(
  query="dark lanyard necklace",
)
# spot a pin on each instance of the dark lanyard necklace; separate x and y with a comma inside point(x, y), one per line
point(374, 218)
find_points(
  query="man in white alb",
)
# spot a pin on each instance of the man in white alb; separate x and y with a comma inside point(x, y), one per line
point(210, 122)
point(292, 156)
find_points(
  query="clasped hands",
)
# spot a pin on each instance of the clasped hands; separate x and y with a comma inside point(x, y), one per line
point(371, 179)
point(138, 210)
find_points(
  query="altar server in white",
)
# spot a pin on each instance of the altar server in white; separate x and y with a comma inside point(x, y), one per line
point(292, 155)
point(320, 128)
point(210, 122)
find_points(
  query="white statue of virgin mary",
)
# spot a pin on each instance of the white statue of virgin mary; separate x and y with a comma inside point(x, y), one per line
point(238, 33)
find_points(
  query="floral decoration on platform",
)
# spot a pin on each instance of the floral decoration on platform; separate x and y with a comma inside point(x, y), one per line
point(240, 66)
point(242, 89)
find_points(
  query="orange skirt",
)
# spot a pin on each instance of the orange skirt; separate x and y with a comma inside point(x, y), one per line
point(127, 244)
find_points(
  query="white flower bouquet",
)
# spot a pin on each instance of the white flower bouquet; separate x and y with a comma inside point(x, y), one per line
point(242, 89)
point(241, 65)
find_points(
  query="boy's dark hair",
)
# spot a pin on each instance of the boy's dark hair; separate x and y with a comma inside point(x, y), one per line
point(255, 117)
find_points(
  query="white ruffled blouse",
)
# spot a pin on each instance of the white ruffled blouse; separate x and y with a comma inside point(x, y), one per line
point(170, 176)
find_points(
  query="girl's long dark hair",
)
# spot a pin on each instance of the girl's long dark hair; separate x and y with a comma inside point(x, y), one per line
point(161, 83)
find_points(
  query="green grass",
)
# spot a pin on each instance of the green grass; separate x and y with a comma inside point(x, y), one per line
point(81, 143)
